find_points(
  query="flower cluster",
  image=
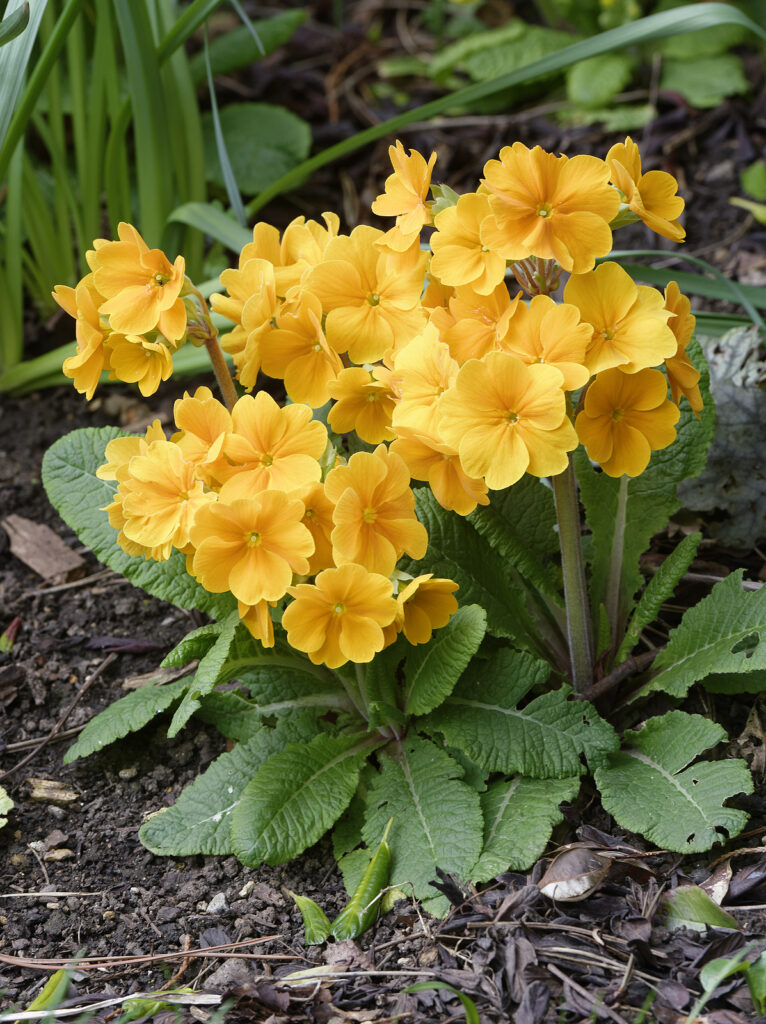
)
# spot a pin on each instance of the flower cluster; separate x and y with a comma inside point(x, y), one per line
point(446, 375)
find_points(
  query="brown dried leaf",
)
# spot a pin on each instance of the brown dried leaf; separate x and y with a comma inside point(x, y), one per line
point(574, 874)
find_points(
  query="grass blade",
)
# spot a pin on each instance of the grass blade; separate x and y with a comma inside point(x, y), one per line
point(14, 24)
point(232, 189)
point(214, 222)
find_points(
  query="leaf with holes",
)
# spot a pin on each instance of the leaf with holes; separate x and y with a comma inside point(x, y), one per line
point(649, 789)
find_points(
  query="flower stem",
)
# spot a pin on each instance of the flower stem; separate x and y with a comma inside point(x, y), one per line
point(614, 579)
point(222, 375)
point(575, 591)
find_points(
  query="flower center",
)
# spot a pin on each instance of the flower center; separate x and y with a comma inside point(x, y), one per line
point(511, 417)
point(369, 515)
point(339, 608)
point(253, 538)
point(310, 513)
point(267, 460)
point(618, 414)
point(373, 299)
point(608, 333)
point(544, 210)
point(372, 396)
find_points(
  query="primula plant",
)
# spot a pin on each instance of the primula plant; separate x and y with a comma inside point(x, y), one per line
point(409, 624)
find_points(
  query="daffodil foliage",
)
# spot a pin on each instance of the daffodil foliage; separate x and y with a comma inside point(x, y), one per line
point(381, 520)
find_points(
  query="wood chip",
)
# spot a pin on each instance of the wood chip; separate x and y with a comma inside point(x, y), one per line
point(38, 547)
point(48, 791)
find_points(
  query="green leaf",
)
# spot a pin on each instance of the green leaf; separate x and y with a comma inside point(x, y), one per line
point(381, 683)
point(620, 117)
point(753, 180)
point(706, 43)
point(648, 789)
point(713, 637)
point(432, 670)
point(129, 714)
point(263, 142)
point(456, 551)
point(194, 645)
point(69, 478)
point(448, 58)
point(353, 866)
point(316, 924)
point(688, 906)
point(652, 496)
point(208, 673)
point(6, 804)
point(295, 797)
point(437, 818)
point(705, 81)
point(517, 54)
point(519, 816)
point(239, 719)
point(366, 898)
point(545, 739)
point(596, 81)
point(520, 524)
point(756, 982)
point(199, 822)
point(347, 833)
point(238, 49)
point(658, 591)
point(735, 682)
point(214, 222)
point(53, 992)
point(471, 1013)
point(14, 24)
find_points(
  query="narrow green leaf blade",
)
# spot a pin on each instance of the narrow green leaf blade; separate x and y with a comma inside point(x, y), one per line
point(213, 222)
point(14, 24)
point(316, 924)
point(648, 789)
point(431, 670)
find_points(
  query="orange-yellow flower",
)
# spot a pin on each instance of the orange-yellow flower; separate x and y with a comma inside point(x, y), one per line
point(651, 196)
point(682, 373)
point(431, 460)
point(92, 357)
point(374, 513)
point(554, 207)
point(160, 497)
point(141, 286)
point(549, 332)
point(298, 352)
point(626, 418)
point(423, 605)
point(303, 246)
point(318, 521)
point(370, 309)
point(629, 321)
point(243, 281)
point(459, 255)
point(257, 619)
point(424, 370)
point(481, 322)
point(272, 447)
point(505, 419)
point(361, 403)
point(341, 617)
point(405, 196)
point(139, 361)
point(121, 450)
point(203, 424)
point(251, 546)
point(258, 311)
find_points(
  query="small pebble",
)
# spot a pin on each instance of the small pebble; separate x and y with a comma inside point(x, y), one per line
point(218, 904)
point(127, 773)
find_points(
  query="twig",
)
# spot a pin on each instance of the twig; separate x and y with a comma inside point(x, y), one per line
point(99, 670)
point(176, 999)
point(65, 734)
point(628, 667)
point(586, 995)
point(102, 574)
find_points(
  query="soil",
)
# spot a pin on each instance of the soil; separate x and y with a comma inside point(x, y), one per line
point(74, 879)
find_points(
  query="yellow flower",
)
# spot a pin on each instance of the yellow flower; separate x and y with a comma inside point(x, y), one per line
point(203, 424)
point(505, 419)
point(481, 322)
point(405, 197)
point(272, 447)
point(121, 450)
point(257, 619)
point(303, 246)
point(341, 617)
point(363, 404)
point(258, 311)
point(460, 257)
point(160, 497)
point(552, 207)
point(251, 546)
point(547, 332)
point(243, 281)
point(141, 286)
point(425, 370)
point(298, 352)
point(139, 361)
point(651, 196)
point(369, 308)
point(374, 513)
point(625, 419)
point(423, 605)
point(92, 355)
point(629, 321)
point(682, 373)
point(429, 459)
point(318, 521)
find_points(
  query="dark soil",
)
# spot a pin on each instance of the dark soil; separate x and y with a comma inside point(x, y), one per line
point(74, 879)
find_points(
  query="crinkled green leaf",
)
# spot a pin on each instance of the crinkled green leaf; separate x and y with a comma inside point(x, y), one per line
point(520, 524)
point(688, 906)
point(519, 815)
point(652, 497)
point(316, 924)
point(239, 719)
point(513, 54)
point(457, 552)
point(347, 833)
point(545, 739)
point(238, 49)
point(129, 714)
point(659, 589)
point(450, 57)
point(735, 682)
point(437, 818)
point(724, 633)
point(431, 670)
point(705, 81)
point(200, 819)
point(648, 788)
point(594, 82)
point(295, 797)
point(208, 673)
point(6, 804)
point(194, 645)
point(69, 477)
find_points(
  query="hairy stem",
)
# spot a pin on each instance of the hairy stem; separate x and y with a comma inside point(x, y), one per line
point(614, 579)
point(579, 630)
point(222, 375)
